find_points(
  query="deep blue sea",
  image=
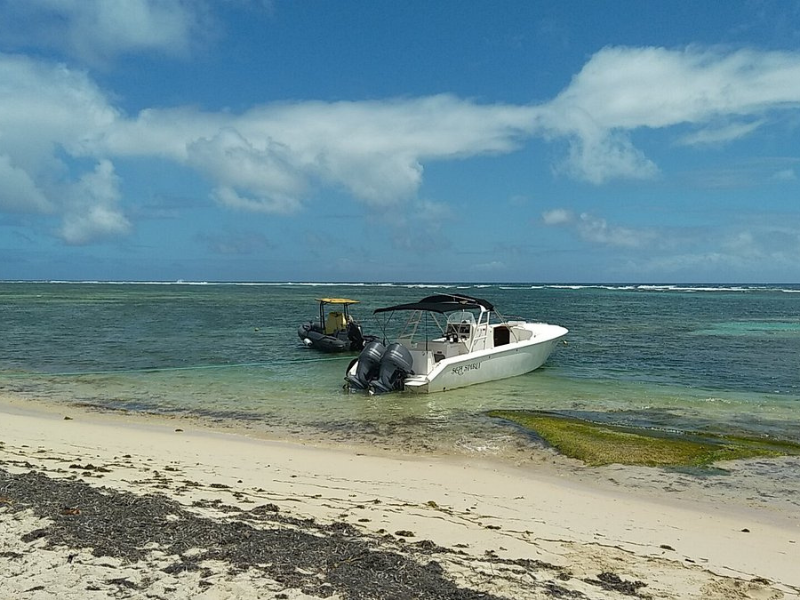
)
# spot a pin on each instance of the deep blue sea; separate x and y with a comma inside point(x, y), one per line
point(694, 357)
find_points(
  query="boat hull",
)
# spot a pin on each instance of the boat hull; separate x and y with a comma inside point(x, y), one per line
point(503, 362)
point(314, 337)
point(326, 343)
point(474, 345)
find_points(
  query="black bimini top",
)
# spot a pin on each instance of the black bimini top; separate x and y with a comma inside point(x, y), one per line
point(441, 303)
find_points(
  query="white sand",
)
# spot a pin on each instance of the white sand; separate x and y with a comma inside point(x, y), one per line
point(678, 548)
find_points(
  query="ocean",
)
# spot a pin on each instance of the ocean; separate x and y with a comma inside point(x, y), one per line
point(721, 358)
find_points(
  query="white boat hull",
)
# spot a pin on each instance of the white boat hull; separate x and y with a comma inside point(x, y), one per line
point(474, 345)
point(493, 364)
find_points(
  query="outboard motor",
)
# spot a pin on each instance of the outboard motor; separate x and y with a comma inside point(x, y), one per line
point(394, 368)
point(369, 362)
point(355, 336)
point(302, 333)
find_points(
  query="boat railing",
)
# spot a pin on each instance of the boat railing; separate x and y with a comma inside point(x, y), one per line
point(461, 328)
point(411, 330)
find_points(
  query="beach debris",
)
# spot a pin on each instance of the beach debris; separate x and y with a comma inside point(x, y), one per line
point(122, 582)
point(142, 537)
point(319, 559)
point(612, 581)
point(90, 467)
point(404, 533)
point(426, 545)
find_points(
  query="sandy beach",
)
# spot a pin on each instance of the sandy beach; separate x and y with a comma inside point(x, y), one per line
point(96, 505)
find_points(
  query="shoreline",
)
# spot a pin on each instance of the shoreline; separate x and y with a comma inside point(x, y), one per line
point(772, 485)
point(580, 523)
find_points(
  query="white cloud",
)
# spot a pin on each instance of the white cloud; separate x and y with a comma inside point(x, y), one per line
point(376, 149)
point(785, 175)
point(597, 230)
point(622, 89)
point(44, 109)
point(421, 229)
point(44, 106)
point(18, 191)
point(716, 263)
point(274, 203)
point(96, 31)
point(271, 158)
point(234, 163)
point(272, 154)
point(763, 244)
point(264, 160)
point(92, 212)
point(756, 251)
point(720, 135)
point(626, 88)
point(557, 216)
point(739, 174)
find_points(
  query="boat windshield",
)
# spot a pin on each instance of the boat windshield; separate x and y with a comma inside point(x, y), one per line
point(461, 316)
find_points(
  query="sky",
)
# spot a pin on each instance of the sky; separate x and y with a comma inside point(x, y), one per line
point(606, 141)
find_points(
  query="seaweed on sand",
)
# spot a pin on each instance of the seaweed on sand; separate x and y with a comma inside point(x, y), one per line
point(319, 559)
point(599, 444)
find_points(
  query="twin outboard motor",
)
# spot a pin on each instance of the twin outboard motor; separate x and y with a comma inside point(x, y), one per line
point(368, 366)
point(396, 365)
point(380, 369)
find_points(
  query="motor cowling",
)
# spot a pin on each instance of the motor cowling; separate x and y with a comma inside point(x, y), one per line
point(395, 366)
point(367, 367)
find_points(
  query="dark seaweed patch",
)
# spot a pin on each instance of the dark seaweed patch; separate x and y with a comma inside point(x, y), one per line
point(319, 559)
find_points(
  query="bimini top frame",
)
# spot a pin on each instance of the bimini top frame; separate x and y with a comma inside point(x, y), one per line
point(441, 303)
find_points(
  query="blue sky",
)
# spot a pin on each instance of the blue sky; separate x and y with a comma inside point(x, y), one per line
point(516, 141)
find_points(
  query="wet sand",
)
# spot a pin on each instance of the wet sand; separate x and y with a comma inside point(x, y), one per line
point(100, 506)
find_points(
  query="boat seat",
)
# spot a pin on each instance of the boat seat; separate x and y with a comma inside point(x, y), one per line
point(335, 322)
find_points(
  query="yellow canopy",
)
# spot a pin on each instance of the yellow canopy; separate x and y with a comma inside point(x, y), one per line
point(337, 301)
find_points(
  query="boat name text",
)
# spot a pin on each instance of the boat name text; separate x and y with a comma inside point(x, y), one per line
point(461, 369)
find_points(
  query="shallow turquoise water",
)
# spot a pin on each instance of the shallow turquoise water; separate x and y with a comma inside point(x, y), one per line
point(725, 358)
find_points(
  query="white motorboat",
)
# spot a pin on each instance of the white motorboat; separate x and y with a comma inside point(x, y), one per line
point(448, 342)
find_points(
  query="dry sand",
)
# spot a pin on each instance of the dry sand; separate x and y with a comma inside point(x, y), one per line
point(235, 517)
